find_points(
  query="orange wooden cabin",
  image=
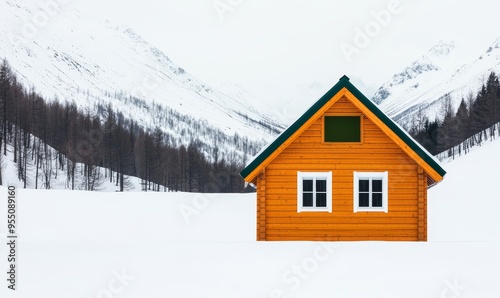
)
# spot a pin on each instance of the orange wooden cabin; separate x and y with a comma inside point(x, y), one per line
point(343, 171)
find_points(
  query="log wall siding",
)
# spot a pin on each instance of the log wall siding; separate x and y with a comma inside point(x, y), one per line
point(425, 209)
point(406, 219)
point(261, 206)
point(422, 205)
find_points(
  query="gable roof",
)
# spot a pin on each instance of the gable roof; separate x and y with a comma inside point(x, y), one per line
point(418, 153)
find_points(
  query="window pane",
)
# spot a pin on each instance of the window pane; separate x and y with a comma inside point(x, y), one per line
point(321, 200)
point(307, 185)
point(364, 185)
point(321, 185)
point(342, 129)
point(377, 200)
point(377, 185)
point(307, 199)
point(364, 200)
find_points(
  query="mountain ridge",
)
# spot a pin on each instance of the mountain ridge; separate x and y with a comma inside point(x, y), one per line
point(434, 76)
point(80, 58)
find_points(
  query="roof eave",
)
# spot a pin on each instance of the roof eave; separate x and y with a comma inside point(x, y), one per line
point(253, 169)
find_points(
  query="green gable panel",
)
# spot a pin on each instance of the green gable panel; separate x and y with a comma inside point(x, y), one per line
point(342, 129)
point(343, 83)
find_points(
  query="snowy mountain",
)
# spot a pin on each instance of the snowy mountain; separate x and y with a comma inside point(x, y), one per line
point(366, 88)
point(74, 57)
point(263, 101)
point(428, 79)
point(291, 100)
point(419, 83)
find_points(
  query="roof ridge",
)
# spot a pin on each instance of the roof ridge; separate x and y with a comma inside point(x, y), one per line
point(344, 82)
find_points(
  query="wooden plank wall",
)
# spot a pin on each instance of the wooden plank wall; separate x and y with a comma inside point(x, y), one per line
point(422, 205)
point(261, 206)
point(307, 153)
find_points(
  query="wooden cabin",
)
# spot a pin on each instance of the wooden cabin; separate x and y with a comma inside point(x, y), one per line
point(343, 171)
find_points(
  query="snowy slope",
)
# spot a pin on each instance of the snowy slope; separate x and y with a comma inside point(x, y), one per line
point(469, 194)
point(427, 80)
point(418, 84)
point(58, 178)
point(291, 100)
point(77, 244)
point(79, 58)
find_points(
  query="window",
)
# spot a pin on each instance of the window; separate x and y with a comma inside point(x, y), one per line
point(371, 191)
point(314, 191)
point(342, 129)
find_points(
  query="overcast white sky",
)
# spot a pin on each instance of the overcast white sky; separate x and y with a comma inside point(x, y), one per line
point(299, 41)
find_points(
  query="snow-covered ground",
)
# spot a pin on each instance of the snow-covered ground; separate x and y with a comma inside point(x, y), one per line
point(465, 205)
point(82, 244)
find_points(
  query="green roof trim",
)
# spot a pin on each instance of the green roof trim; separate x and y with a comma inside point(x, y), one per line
point(343, 83)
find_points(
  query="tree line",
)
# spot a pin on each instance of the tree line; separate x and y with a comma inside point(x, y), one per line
point(50, 138)
point(476, 120)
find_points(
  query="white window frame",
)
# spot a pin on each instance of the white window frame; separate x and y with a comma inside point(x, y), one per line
point(314, 175)
point(385, 191)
